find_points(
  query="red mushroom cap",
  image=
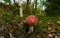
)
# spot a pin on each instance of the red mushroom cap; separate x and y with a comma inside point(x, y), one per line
point(31, 19)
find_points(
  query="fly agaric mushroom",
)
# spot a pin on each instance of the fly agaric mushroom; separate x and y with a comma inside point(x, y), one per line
point(30, 21)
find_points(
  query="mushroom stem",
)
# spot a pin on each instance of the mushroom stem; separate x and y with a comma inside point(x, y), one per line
point(31, 28)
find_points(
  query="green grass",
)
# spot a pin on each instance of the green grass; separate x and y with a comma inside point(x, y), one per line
point(49, 18)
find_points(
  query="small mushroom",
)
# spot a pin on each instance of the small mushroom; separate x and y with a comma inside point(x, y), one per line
point(50, 35)
point(56, 36)
point(38, 36)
